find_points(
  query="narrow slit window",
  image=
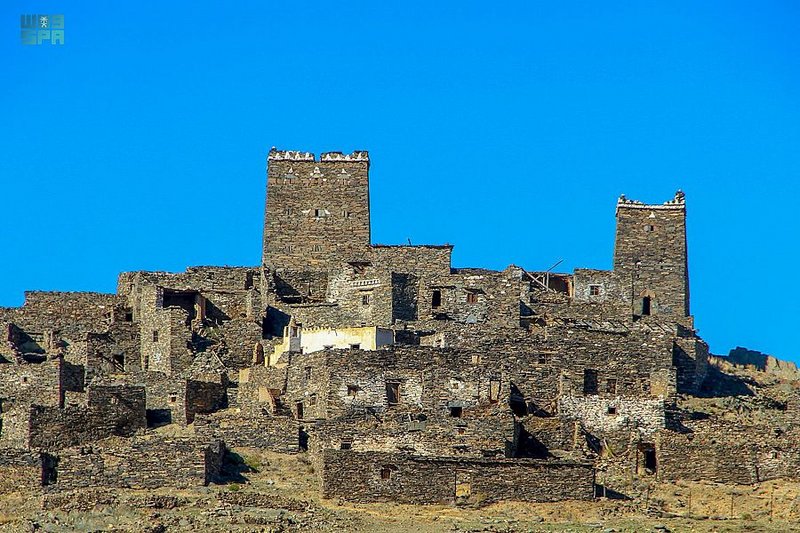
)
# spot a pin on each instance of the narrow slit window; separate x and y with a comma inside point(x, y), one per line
point(590, 381)
point(646, 304)
point(436, 299)
point(494, 390)
point(392, 392)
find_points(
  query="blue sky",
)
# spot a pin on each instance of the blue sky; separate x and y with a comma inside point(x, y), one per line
point(507, 129)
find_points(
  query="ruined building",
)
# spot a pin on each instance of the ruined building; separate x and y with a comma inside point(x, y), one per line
point(404, 378)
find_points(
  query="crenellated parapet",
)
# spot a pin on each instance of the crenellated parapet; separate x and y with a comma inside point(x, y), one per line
point(294, 155)
point(678, 202)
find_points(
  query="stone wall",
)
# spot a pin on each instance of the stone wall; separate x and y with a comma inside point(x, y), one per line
point(727, 452)
point(140, 463)
point(26, 383)
point(317, 210)
point(650, 251)
point(273, 433)
point(375, 476)
point(109, 410)
point(20, 470)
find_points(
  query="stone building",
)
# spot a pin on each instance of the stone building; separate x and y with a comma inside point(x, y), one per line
point(404, 377)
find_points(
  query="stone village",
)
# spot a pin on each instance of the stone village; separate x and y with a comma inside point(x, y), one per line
point(403, 378)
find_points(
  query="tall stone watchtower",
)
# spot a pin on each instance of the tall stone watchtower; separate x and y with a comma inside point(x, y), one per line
point(317, 211)
point(650, 256)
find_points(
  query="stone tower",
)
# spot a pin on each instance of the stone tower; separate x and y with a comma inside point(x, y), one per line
point(650, 256)
point(317, 211)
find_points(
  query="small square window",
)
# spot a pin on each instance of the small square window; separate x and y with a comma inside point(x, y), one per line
point(173, 397)
point(542, 358)
point(387, 471)
point(307, 372)
point(612, 410)
point(317, 247)
point(649, 227)
point(346, 445)
point(456, 411)
point(352, 390)
point(355, 346)
point(472, 297)
point(366, 299)
point(345, 214)
point(312, 400)
point(318, 213)
point(594, 290)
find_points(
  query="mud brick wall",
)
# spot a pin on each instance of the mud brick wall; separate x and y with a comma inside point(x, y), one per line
point(360, 477)
point(273, 433)
point(650, 250)
point(317, 210)
point(139, 463)
point(20, 470)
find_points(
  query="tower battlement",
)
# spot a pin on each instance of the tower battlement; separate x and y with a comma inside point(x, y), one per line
point(295, 155)
point(678, 202)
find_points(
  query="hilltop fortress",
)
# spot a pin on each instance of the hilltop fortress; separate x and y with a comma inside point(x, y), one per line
point(404, 379)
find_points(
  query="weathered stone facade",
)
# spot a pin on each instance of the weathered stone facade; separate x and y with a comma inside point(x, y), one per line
point(376, 476)
point(404, 378)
